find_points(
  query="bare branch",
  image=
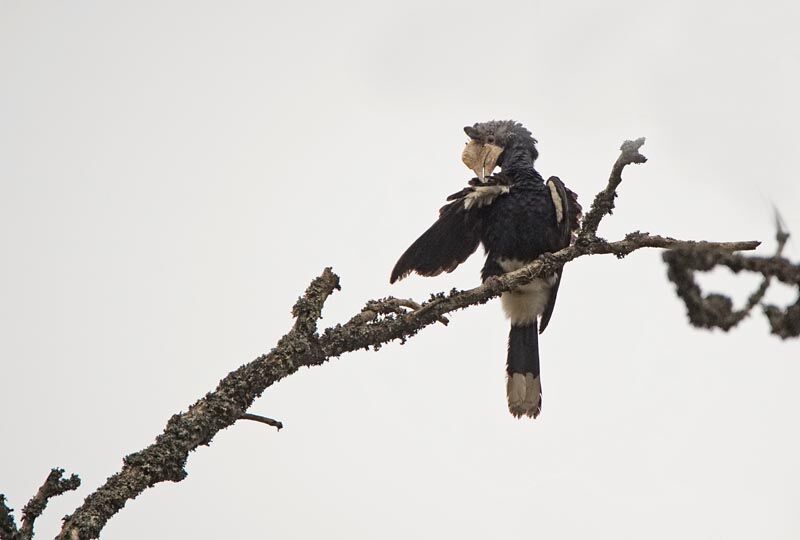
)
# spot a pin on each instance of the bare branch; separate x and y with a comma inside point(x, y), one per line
point(308, 308)
point(263, 419)
point(785, 323)
point(164, 460)
point(716, 310)
point(781, 236)
point(604, 201)
point(53, 486)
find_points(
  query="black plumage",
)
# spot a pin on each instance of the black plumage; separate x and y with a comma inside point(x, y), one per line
point(516, 216)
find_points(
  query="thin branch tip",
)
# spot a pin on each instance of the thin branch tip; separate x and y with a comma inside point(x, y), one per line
point(263, 420)
point(308, 308)
point(631, 148)
point(54, 485)
point(603, 203)
point(782, 233)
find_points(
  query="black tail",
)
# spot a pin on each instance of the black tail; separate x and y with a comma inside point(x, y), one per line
point(524, 389)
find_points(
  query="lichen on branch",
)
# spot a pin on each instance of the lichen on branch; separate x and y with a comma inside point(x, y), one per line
point(715, 310)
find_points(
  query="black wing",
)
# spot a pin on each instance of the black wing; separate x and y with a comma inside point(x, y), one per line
point(455, 235)
point(568, 214)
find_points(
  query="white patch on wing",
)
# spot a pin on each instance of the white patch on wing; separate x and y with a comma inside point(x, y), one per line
point(483, 196)
point(557, 202)
point(524, 393)
point(524, 304)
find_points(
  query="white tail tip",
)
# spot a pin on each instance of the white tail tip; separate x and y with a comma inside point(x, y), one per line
point(524, 392)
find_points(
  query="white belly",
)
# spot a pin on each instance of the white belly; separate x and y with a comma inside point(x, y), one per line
point(524, 304)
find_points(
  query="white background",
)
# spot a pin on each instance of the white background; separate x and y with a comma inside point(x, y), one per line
point(173, 174)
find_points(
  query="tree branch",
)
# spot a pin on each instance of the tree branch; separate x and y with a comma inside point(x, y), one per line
point(262, 419)
point(603, 203)
point(164, 459)
point(716, 310)
point(53, 486)
point(379, 322)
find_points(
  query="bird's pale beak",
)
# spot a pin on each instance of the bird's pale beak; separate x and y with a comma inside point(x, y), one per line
point(481, 158)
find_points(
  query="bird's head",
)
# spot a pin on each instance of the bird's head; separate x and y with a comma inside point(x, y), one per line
point(492, 142)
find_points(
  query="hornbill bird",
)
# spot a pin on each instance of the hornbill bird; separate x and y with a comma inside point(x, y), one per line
point(517, 217)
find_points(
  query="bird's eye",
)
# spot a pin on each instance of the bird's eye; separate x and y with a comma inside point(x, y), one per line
point(490, 138)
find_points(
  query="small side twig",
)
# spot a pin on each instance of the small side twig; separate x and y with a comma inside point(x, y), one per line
point(262, 419)
point(308, 308)
point(603, 203)
point(54, 485)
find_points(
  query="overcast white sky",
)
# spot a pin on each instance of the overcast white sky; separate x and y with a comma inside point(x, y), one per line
point(173, 174)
